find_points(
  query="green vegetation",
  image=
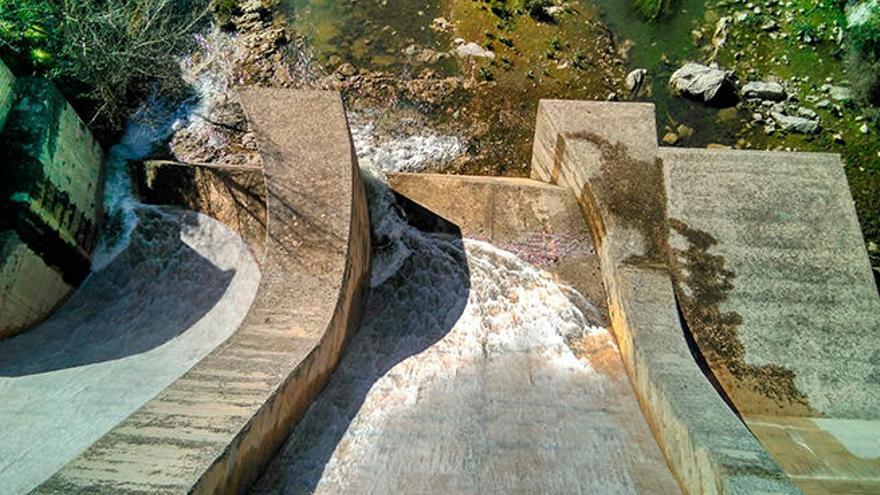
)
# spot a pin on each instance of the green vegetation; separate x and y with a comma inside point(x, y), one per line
point(652, 9)
point(106, 55)
point(507, 9)
point(864, 57)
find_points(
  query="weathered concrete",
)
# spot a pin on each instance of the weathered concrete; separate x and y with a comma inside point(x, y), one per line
point(233, 195)
point(777, 290)
point(52, 176)
point(182, 286)
point(826, 456)
point(776, 285)
point(474, 372)
point(538, 222)
point(212, 430)
point(29, 288)
point(607, 154)
point(50, 187)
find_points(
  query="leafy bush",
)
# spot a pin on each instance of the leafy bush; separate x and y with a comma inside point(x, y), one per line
point(105, 54)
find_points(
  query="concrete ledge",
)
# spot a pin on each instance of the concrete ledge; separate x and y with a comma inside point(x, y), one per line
point(537, 221)
point(214, 428)
point(607, 154)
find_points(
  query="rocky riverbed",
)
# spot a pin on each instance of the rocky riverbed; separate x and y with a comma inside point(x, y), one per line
point(453, 85)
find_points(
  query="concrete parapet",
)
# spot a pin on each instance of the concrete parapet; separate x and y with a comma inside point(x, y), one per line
point(50, 194)
point(212, 430)
point(607, 154)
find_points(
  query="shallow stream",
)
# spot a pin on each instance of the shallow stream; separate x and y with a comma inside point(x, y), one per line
point(572, 57)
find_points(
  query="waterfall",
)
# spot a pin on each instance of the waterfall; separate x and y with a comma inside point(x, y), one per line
point(457, 333)
point(147, 129)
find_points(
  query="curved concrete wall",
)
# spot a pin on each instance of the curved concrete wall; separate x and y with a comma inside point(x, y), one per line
point(50, 195)
point(214, 428)
point(607, 154)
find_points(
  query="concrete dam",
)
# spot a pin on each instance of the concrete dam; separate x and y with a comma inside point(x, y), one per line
point(630, 319)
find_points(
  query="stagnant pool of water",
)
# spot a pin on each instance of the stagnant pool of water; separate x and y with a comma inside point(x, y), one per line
point(661, 46)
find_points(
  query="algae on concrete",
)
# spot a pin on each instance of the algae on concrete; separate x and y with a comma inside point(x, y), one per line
point(50, 190)
point(51, 181)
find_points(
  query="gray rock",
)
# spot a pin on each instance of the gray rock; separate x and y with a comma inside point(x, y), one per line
point(699, 81)
point(808, 113)
point(760, 90)
point(791, 123)
point(473, 50)
point(428, 56)
point(840, 93)
point(635, 80)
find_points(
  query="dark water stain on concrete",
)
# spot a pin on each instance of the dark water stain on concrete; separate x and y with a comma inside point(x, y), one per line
point(631, 190)
point(702, 283)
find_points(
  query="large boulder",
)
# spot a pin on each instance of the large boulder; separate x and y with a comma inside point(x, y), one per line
point(708, 84)
point(760, 90)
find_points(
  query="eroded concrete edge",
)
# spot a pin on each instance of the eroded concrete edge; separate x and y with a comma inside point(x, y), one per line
point(607, 154)
point(213, 430)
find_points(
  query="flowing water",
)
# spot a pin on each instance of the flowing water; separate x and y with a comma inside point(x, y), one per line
point(167, 287)
point(463, 378)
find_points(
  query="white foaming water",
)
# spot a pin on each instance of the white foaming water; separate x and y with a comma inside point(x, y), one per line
point(464, 349)
point(411, 153)
point(146, 130)
point(150, 127)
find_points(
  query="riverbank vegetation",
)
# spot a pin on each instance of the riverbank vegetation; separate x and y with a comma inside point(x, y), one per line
point(836, 58)
point(105, 55)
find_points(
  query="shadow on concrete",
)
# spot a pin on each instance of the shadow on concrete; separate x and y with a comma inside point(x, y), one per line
point(149, 294)
point(406, 314)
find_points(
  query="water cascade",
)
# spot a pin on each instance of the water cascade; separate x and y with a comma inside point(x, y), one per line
point(464, 370)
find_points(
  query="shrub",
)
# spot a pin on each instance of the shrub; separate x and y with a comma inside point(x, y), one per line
point(106, 54)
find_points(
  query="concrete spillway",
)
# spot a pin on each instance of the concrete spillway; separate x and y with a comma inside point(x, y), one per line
point(180, 288)
point(475, 371)
point(518, 335)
